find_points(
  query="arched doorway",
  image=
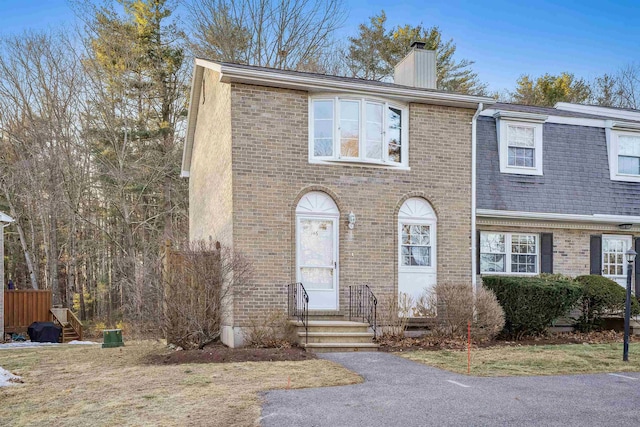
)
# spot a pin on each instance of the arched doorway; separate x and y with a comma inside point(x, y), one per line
point(417, 267)
point(317, 249)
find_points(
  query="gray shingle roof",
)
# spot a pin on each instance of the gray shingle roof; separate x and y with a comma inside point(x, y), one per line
point(576, 174)
point(547, 110)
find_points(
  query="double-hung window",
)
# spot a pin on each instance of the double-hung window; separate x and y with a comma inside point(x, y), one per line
point(629, 155)
point(510, 253)
point(520, 142)
point(358, 130)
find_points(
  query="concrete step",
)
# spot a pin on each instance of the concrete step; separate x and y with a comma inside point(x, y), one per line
point(333, 326)
point(336, 337)
point(340, 347)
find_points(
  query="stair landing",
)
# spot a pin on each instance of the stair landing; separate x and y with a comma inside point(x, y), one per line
point(335, 336)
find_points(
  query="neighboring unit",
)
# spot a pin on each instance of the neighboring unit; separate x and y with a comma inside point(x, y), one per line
point(332, 182)
point(558, 190)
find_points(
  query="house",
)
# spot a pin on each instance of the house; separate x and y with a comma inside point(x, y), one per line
point(332, 182)
point(335, 182)
point(4, 221)
point(558, 190)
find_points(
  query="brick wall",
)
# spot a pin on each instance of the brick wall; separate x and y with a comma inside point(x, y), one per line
point(271, 172)
point(570, 246)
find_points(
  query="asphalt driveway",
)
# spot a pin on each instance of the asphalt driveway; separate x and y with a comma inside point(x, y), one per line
point(399, 392)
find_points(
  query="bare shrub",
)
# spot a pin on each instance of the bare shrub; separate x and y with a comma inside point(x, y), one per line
point(273, 330)
point(395, 314)
point(456, 306)
point(199, 281)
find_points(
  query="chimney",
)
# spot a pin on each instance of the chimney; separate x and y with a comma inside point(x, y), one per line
point(418, 68)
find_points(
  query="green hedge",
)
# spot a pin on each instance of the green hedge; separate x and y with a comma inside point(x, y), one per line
point(600, 297)
point(531, 304)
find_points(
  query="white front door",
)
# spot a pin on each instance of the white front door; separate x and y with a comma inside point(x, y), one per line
point(614, 263)
point(416, 254)
point(317, 252)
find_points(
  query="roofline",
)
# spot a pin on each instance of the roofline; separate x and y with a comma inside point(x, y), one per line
point(598, 111)
point(548, 216)
point(231, 73)
point(5, 218)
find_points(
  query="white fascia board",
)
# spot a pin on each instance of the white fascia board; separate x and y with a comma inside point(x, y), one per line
point(547, 216)
point(625, 125)
point(192, 119)
point(520, 116)
point(598, 111)
point(5, 218)
point(232, 74)
point(563, 120)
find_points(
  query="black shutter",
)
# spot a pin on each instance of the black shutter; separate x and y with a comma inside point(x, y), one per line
point(546, 253)
point(478, 252)
point(596, 255)
point(637, 249)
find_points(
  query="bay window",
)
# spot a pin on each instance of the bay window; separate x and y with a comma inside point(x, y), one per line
point(358, 130)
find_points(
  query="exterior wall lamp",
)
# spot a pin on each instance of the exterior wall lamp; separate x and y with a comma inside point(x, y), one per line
point(351, 218)
point(630, 255)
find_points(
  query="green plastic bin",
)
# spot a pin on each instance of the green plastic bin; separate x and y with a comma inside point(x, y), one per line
point(112, 338)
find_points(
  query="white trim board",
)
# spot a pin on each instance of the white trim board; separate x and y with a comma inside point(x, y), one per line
point(548, 216)
point(5, 218)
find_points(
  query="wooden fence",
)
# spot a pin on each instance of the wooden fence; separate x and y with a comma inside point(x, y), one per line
point(22, 308)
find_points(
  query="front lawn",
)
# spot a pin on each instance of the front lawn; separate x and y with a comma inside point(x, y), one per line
point(533, 360)
point(87, 385)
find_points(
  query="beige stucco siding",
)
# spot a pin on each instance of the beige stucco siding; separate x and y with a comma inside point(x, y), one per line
point(210, 180)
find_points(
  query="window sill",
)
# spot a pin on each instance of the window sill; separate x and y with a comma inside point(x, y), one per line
point(497, 273)
point(520, 170)
point(626, 178)
point(355, 162)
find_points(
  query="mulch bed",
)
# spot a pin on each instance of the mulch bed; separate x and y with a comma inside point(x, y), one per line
point(219, 353)
point(391, 344)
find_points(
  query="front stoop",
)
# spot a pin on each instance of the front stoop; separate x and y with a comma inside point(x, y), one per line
point(335, 335)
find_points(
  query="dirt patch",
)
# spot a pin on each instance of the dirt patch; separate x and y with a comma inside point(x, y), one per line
point(430, 343)
point(219, 353)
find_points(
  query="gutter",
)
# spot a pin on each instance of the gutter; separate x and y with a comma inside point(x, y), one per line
point(474, 243)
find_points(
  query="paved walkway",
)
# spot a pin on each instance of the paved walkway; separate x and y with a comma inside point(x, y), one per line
point(399, 392)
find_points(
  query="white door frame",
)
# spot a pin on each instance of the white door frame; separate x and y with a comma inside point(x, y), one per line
point(620, 279)
point(317, 205)
point(417, 211)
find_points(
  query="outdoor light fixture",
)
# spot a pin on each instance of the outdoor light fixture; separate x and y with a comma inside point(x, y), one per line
point(352, 220)
point(630, 255)
point(625, 226)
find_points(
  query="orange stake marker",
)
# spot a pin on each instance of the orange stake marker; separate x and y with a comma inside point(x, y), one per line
point(468, 348)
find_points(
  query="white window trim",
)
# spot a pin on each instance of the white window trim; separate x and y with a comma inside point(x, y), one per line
point(502, 124)
point(507, 242)
point(432, 238)
point(613, 157)
point(628, 238)
point(361, 160)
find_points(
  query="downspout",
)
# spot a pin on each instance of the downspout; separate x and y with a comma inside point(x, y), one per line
point(474, 243)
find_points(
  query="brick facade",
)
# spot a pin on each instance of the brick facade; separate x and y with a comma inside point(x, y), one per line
point(571, 248)
point(265, 169)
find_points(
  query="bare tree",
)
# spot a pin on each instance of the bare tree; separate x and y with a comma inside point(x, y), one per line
point(285, 34)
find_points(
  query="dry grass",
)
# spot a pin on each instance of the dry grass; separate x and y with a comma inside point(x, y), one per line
point(91, 386)
point(534, 360)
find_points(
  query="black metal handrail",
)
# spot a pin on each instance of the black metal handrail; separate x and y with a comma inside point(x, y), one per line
point(363, 304)
point(298, 306)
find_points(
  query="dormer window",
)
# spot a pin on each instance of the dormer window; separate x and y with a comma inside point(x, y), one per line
point(520, 142)
point(358, 130)
point(625, 156)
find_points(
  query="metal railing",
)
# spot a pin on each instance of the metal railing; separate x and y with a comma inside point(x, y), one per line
point(298, 306)
point(363, 304)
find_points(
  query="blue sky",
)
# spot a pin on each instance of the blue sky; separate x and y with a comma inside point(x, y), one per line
point(505, 38)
